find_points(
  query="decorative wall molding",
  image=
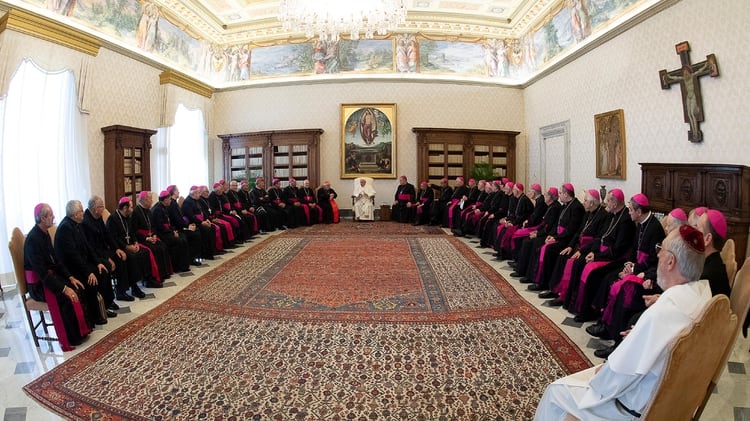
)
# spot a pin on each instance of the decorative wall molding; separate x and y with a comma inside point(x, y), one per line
point(186, 82)
point(49, 30)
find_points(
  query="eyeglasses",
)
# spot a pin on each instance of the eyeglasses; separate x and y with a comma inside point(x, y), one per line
point(659, 247)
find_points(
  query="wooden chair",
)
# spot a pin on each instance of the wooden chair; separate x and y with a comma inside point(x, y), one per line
point(105, 215)
point(694, 364)
point(730, 260)
point(740, 298)
point(30, 305)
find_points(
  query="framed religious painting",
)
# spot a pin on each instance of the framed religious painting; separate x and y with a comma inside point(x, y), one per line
point(368, 140)
point(610, 144)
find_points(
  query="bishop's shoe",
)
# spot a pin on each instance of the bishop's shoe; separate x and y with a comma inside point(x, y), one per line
point(547, 294)
point(605, 352)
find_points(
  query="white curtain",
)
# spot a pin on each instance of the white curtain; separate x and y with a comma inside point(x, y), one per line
point(43, 148)
point(180, 153)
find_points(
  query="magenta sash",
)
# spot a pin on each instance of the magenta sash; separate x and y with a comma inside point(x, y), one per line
point(539, 271)
point(276, 201)
point(226, 206)
point(186, 220)
point(584, 241)
point(229, 219)
point(227, 226)
point(403, 197)
point(603, 248)
point(200, 217)
point(217, 235)
point(237, 205)
point(627, 285)
point(560, 230)
point(642, 257)
point(524, 232)
point(307, 213)
point(520, 233)
point(453, 204)
point(54, 311)
point(152, 259)
point(308, 199)
point(590, 267)
point(562, 286)
point(506, 243)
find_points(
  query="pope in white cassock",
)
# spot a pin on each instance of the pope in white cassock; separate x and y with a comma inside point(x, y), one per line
point(621, 388)
point(363, 200)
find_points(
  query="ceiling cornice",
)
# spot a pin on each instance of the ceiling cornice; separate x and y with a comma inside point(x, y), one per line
point(50, 30)
point(183, 81)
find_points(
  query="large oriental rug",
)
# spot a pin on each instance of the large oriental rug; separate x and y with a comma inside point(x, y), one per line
point(348, 321)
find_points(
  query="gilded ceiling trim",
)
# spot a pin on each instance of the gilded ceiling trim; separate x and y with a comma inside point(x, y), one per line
point(186, 82)
point(49, 30)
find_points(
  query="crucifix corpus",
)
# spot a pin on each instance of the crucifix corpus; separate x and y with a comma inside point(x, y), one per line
point(688, 77)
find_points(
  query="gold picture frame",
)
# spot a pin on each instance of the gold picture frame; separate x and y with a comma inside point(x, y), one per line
point(368, 140)
point(611, 154)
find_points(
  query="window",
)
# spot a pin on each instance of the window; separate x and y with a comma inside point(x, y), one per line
point(180, 153)
point(43, 148)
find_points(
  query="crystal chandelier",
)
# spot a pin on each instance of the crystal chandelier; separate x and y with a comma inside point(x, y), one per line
point(329, 18)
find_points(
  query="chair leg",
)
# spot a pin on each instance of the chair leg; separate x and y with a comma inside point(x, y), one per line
point(32, 329)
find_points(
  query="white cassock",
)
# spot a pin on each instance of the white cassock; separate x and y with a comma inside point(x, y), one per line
point(363, 204)
point(633, 370)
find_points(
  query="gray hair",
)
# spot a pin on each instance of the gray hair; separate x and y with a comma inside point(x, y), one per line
point(92, 202)
point(71, 207)
point(689, 261)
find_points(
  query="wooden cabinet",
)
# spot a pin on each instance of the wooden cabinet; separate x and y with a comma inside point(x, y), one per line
point(127, 163)
point(273, 154)
point(688, 186)
point(454, 152)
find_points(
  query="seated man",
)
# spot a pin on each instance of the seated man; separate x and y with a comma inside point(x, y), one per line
point(299, 214)
point(77, 255)
point(161, 264)
point(50, 281)
point(308, 200)
point(125, 268)
point(403, 199)
point(327, 202)
point(364, 196)
point(424, 199)
point(138, 261)
point(172, 236)
point(621, 388)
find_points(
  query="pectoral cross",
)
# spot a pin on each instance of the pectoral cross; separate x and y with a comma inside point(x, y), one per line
point(688, 77)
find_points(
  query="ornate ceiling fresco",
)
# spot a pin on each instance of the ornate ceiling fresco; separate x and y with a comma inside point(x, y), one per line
point(236, 43)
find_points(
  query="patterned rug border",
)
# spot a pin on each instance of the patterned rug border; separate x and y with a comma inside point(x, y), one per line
point(566, 353)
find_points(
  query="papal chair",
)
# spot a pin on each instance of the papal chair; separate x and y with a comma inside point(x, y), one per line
point(368, 182)
point(694, 364)
point(30, 305)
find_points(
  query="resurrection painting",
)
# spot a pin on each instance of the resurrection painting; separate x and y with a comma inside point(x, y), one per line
point(368, 140)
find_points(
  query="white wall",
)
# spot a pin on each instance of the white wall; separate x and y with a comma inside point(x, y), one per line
point(318, 106)
point(624, 73)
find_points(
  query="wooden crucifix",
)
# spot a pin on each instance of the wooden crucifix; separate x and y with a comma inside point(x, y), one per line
point(688, 77)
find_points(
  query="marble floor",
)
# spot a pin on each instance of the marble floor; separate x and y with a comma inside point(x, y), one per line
point(21, 361)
